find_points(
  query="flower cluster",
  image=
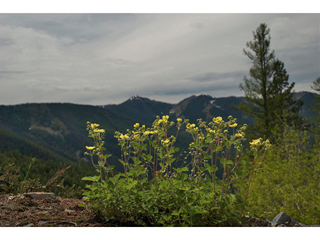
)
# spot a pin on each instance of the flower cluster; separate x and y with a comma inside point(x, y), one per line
point(95, 133)
point(259, 144)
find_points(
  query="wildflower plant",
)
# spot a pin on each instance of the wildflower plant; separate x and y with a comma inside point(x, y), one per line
point(152, 192)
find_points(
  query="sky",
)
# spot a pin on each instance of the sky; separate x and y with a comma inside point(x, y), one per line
point(100, 59)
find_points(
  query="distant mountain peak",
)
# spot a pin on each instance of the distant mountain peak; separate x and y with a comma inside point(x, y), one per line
point(136, 97)
point(139, 98)
point(202, 95)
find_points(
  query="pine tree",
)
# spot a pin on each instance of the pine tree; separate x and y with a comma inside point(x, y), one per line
point(284, 108)
point(269, 98)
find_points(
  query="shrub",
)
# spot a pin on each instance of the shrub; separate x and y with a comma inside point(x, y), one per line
point(152, 192)
point(288, 180)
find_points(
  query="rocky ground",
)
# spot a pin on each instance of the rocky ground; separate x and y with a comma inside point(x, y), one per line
point(44, 211)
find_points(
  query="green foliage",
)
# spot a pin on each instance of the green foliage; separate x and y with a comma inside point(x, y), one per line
point(55, 131)
point(288, 180)
point(151, 192)
point(315, 107)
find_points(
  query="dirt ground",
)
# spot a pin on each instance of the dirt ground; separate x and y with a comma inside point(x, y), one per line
point(60, 212)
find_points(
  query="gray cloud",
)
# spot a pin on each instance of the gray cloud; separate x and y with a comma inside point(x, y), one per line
point(11, 72)
point(107, 58)
point(5, 42)
point(213, 76)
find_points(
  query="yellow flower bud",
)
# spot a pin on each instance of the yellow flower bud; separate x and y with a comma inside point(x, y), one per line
point(99, 130)
point(90, 148)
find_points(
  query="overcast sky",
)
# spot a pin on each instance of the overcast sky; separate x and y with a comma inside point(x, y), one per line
point(100, 59)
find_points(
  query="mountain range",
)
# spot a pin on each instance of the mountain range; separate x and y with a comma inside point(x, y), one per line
point(57, 131)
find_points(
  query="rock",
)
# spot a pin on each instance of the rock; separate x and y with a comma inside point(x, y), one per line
point(29, 225)
point(69, 211)
point(284, 220)
point(40, 195)
point(10, 198)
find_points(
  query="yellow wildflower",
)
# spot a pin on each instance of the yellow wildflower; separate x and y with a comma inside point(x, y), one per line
point(94, 125)
point(146, 133)
point(238, 135)
point(124, 136)
point(143, 126)
point(90, 148)
point(217, 120)
point(99, 130)
point(165, 141)
point(136, 125)
point(212, 131)
point(179, 120)
point(189, 126)
point(165, 117)
point(255, 142)
point(233, 125)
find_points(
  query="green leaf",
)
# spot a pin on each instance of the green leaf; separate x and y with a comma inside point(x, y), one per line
point(175, 213)
point(207, 166)
point(93, 179)
point(229, 162)
point(213, 169)
point(184, 169)
point(167, 217)
point(123, 163)
point(118, 176)
point(184, 176)
point(112, 180)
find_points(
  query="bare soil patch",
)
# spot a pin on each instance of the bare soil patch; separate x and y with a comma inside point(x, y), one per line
point(17, 211)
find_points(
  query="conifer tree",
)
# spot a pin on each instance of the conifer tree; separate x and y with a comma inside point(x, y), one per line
point(269, 98)
point(284, 108)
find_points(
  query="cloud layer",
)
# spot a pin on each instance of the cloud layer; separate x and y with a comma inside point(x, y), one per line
point(107, 58)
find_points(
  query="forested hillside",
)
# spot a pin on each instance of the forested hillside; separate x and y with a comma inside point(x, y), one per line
point(55, 134)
